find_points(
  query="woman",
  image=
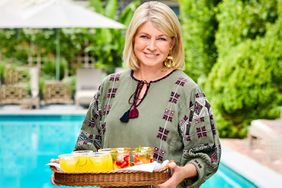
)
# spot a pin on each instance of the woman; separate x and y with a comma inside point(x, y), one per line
point(155, 103)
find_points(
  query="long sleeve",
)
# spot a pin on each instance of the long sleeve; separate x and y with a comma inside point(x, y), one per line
point(90, 137)
point(200, 138)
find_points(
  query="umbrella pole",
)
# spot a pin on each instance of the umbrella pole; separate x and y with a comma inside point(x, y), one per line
point(58, 54)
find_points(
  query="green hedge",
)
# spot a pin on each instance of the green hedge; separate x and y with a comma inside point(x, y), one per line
point(104, 45)
point(239, 53)
point(240, 20)
point(245, 83)
point(199, 26)
point(2, 68)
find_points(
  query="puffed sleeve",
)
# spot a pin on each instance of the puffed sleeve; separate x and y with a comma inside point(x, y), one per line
point(90, 137)
point(200, 138)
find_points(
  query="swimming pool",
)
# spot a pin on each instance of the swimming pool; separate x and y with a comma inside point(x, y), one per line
point(28, 142)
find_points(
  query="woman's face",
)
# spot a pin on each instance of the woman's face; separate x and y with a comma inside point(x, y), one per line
point(151, 46)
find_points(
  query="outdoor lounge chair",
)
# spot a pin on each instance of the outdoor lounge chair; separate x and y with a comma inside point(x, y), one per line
point(87, 84)
point(57, 92)
point(17, 82)
point(268, 135)
point(13, 94)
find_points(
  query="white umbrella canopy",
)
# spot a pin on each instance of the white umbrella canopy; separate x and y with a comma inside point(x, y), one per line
point(10, 13)
point(51, 14)
point(65, 14)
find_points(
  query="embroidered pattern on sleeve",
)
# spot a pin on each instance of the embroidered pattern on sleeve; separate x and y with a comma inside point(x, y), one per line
point(111, 93)
point(85, 138)
point(199, 110)
point(168, 116)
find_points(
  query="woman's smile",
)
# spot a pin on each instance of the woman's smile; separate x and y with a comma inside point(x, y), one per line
point(150, 55)
point(151, 45)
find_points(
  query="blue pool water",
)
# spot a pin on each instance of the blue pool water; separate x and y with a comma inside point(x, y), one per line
point(28, 142)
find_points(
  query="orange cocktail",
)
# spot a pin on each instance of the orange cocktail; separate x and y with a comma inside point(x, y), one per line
point(122, 158)
point(142, 155)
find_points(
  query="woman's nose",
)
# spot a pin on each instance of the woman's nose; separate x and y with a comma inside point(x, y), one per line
point(152, 44)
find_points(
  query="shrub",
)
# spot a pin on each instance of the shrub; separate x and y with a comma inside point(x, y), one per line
point(2, 67)
point(241, 20)
point(245, 84)
point(199, 26)
point(49, 69)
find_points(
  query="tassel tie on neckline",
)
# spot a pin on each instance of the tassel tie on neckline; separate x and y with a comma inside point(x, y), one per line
point(133, 112)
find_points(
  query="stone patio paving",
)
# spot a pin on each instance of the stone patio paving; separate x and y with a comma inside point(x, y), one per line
point(257, 153)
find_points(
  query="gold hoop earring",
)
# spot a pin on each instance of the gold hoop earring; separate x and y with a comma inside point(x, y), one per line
point(169, 62)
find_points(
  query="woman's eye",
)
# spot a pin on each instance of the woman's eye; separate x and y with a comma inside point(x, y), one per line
point(143, 37)
point(162, 39)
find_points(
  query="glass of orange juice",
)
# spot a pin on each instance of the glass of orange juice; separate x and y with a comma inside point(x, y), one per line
point(82, 152)
point(84, 163)
point(112, 151)
point(68, 162)
point(101, 162)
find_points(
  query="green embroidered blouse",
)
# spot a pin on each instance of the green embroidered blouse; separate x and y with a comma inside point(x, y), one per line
point(174, 117)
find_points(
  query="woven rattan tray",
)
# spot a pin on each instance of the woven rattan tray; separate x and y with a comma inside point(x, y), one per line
point(112, 179)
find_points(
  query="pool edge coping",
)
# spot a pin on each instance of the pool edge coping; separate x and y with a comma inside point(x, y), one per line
point(250, 168)
point(45, 112)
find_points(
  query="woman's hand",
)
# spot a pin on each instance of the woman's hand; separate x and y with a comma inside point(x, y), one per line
point(52, 176)
point(52, 179)
point(179, 174)
point(54, 161)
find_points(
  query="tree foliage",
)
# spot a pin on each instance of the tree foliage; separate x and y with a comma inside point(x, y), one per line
point(105, 45)
point(245, 83)
point(199, 27)
point(240, 20)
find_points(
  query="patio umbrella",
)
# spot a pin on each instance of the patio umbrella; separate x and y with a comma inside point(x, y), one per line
point(56, 14)
point(10, 13)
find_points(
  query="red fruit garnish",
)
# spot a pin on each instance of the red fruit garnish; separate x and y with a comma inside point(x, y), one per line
point(126, 158)
point(124, 164)
point(136, 160)
point(119, 163)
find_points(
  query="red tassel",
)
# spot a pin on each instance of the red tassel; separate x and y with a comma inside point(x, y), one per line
point(133, 113)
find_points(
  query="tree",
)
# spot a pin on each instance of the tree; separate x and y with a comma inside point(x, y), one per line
point(108, 45)
point(199, 26)
point(105, 45)
point(245, 83)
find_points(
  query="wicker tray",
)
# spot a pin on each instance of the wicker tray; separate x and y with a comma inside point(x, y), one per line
point(112, 179)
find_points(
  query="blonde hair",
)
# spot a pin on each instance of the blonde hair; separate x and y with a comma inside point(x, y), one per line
point(164, 19)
